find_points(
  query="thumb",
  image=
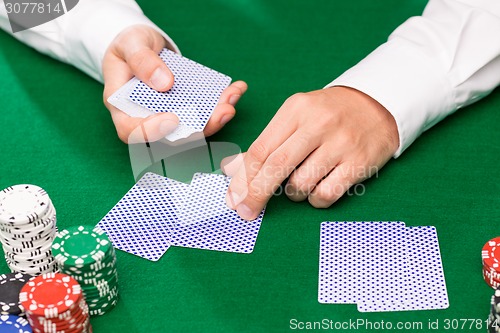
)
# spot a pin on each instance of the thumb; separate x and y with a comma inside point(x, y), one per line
point(146, 65)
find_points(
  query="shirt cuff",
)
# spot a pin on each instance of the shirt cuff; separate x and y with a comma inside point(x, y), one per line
point(409, 84)
point(95, 25)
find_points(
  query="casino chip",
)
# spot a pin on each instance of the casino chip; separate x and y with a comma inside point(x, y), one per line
point(14, 324)
point(10, 287)
point(491, 262)
point(87, 254)
point(54, 303)
point(27, 229)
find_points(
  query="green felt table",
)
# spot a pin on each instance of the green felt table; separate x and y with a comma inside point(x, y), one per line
point(56, 133)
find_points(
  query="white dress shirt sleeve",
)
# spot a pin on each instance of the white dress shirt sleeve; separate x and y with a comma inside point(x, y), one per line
point(432, 64)
point(81, 36)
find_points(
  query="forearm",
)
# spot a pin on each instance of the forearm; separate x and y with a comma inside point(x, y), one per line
point(82, 36)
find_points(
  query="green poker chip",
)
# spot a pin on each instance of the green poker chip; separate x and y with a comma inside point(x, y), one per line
point(86, 254)
point(80, 246)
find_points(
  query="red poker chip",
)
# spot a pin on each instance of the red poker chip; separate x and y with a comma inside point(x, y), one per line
point(54, 303)
point(491, 253)
point(488, 275)
point(491, 274)
point(50, 295)
point(75, 320)
point(491, 268)
point(491, 282)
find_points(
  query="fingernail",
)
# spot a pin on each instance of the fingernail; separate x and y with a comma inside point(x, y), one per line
point(167, 126)
point(229, 204)
point(234, 99)
point(232, 200)
point(226, 119)
point(160, 79)
point(245, 212)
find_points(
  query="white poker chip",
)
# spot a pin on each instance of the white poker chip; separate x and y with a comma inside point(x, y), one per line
point(21, 204)
point(27, 229)
point(34, 227)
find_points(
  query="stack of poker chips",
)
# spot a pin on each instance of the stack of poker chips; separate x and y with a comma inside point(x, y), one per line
point(494, 317)
point(491, 262)
point(87, 254)
point(54, 303)
point(10, 287)
point(27, 229)
point(14, 324)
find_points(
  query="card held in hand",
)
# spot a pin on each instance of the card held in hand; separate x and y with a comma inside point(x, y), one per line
point(192, 99)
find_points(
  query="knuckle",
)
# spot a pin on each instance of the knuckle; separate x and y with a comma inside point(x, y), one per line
point(347, 139)
point(299, 184)
point(298, 99)
point(139, 59)
point(232, 90)
point(328, 193)
point(256, 195)
point(296, 193)
point(122, 136)
point(258, 151)
point(279, 159)
point(239, 180)
point(293, 183)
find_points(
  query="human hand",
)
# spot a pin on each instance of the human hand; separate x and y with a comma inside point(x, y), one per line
point(135, 52)
point(325, 141)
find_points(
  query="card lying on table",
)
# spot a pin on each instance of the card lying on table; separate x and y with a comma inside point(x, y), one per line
point(207, 223)
point(381, 266)
point(159, 212)
point(193, 97)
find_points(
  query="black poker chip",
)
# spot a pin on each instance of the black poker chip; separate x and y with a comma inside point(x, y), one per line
point(10, 287)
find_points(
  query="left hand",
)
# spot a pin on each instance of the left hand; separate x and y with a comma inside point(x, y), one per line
point(135, 52)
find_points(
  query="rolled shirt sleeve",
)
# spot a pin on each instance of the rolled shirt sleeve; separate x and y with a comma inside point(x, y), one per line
point(82, 35)
point(432, 65)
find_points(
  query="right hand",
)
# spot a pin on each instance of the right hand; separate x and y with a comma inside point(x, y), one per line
point(325, 141)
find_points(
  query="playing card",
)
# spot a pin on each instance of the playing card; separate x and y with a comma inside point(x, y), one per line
point(426, 283)
point(338, 267)
point(205, 198)
point(193, 97)
point(381, 266)
point(207, 223)
point(423, 279)
point(138, 224)
point(357, 259)
point(145, 222)
point(385, 267)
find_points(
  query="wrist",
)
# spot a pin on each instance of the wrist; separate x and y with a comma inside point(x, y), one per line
point(372, 109)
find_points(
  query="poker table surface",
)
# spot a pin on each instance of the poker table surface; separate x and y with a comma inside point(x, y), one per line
point(56, 133)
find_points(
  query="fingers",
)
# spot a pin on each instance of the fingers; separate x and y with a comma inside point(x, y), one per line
point(233, 93)
point(281, 127)
point(138, 46)
point(129, 129)
point(317, 165)
point(225, 111)
point(269, 140)
point(277, 167)
point(231, 164)
point(146, 65)
point(116, 73)
point(330, 189)
point(135, 130)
